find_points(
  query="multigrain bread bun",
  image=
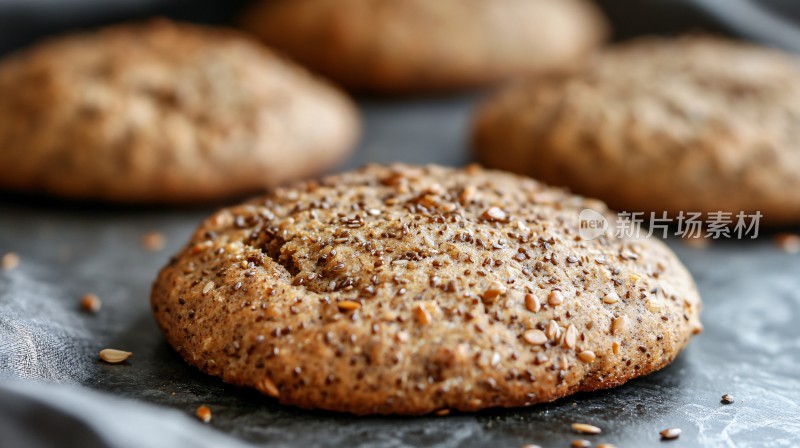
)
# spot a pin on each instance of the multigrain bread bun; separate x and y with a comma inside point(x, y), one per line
point(694, 124)
point(413, 46)
point(160, 112)
point(407, 290)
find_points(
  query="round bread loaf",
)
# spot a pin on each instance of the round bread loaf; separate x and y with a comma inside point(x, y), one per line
point(163, 112)
point(407, 290)
point(694, 124)
point(412, 46)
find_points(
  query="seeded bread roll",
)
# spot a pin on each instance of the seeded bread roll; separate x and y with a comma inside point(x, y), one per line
point(412, 46)
point(162, 113)
point(407, 290)
point(694, 124)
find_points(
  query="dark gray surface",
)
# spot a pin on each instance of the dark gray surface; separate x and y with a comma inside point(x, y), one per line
point(751, 346)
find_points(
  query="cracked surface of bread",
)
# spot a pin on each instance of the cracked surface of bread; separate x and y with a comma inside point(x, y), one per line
point(409, 289)
point(693, 124)
point(164, 112)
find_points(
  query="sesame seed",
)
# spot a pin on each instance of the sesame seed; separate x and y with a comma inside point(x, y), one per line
point(653, 305)
point(153, 241)
point(670, 433)
point(555, 298)
point(580, 443)
point(615, 347)
point(495, 289)
point(727, 399)
point(619, 324)
point(10, 261)
point(606, 445)
point(91, 303)
point(552, 330)
point(584, 428)
point(348, 305)
point(788, 242)
point(571, 336)
point(442, 412)
point(266, 386)
point(532, 303)
point(203, 413)
point(494, 214)
point(535, 337)
point(209, 286)
point(586, 356)
point(422, 315)
point(611, 298)
point(114, 356)
point(530, 446)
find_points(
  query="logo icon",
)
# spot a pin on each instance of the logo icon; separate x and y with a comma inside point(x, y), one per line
point(591, 224)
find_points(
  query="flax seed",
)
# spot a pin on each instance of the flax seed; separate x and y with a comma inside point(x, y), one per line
point(727, 399)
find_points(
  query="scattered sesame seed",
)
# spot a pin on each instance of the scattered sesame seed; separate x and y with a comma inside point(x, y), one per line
point(587, 356)
point(10, 261)
point(442, 412)
point(532, 303)
point(788, 242)
point(114, 356)
point(203, 413)
point(606, 445)
point(348, 305)
point(208, 287)
point(266, 386)
point(91, 303)
point(611, 298)
point(153, 241)
point(580, 443)
point(584, 428)
point(670, 433)
point(530, 446)
point(615, 347)
point(555, 298)
point(727, 399)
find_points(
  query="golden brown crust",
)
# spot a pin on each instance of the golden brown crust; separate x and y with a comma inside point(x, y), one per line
point(404, 290)
point(164, 112)
point(386, 46)
point(694, 124)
